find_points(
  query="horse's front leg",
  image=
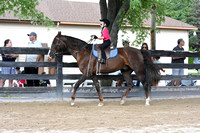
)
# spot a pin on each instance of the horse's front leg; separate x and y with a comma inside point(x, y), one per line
point(81, 80)
point(97, 86)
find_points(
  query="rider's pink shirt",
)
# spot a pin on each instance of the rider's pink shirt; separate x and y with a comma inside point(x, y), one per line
point(105, 34)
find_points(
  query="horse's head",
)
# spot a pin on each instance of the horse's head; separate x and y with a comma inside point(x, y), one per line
point(58, 45)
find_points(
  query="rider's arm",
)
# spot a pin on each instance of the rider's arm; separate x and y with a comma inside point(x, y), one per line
point(101, 38)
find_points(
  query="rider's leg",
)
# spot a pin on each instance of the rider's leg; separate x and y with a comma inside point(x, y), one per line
point(104, 46)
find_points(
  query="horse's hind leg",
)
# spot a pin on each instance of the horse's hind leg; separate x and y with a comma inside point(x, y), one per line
point(143, 79)
point(81, 80)
point(127, 77)
point(146, 85)
point(97, 86)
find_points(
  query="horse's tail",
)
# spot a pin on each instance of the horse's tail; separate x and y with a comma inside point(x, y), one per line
point(152, 70)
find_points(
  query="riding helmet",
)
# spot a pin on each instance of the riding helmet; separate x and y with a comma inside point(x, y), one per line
point(106, 21)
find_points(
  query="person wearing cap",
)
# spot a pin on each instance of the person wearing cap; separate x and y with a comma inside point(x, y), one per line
point(18, 70)
point(178, 71)
point(126, 43)
point(104, 23)
point(32, 58)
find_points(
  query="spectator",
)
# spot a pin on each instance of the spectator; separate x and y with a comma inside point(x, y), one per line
point(45, 82)
point(33, 58)
point(18, 70)
point(178, 71)
point(126, 43)
point(8, 58)
point(143, 47)
point(156, 60)
point(15, 82)
point(22, 82)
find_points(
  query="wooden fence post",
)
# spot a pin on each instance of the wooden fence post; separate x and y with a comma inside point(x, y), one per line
point(59, 79)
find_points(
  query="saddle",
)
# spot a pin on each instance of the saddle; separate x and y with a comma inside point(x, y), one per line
point(110, 53)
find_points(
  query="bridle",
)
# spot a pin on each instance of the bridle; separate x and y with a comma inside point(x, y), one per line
point(57, 45)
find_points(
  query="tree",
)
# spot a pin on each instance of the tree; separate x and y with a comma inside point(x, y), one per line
point(179, 9)
point(132, 12)
point(25, 10)
point(193, 18)
point(187, 11)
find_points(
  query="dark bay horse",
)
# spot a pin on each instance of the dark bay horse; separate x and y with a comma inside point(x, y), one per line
point(128, 60)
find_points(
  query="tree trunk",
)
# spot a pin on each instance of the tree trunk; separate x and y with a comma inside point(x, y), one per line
point(103, 8)
point(112, 11)
point(115, 26)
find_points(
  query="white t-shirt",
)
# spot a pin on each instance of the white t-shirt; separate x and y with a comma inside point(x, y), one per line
point(33, 57)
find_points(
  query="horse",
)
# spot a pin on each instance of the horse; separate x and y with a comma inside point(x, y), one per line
point(129, 59)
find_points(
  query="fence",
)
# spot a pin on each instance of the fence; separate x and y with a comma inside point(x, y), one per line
point(59, 76)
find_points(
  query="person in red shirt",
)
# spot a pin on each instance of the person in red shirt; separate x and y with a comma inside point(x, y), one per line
point(104, 23)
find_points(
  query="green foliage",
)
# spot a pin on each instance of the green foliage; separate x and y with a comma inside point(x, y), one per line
point(179, 9)
point(6, 95)
point(193, 41)
point(186, 11)
point(194, 19)
point(190, 59)
point(25, 10)
point(140, 11)
point(194, 15)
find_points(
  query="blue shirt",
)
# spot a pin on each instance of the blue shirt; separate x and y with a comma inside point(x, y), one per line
point(177, 48)
point(33, 57)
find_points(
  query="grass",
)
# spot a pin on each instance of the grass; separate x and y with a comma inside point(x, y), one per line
point(193, 73)
point(6, 95)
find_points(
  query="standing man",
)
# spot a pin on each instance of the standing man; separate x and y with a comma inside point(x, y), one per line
point(32, 58)
point(178, 71)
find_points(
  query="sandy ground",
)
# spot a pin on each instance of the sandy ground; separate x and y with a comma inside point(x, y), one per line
point(177, 116)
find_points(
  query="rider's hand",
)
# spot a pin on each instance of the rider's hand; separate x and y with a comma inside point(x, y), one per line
point(95, 37)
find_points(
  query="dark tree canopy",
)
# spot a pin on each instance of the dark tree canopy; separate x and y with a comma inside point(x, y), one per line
point(194, 19)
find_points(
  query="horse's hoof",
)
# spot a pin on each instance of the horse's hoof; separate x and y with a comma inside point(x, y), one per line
point(147, 104)
point(72, 103)
point(122, 102)
point(100, 104)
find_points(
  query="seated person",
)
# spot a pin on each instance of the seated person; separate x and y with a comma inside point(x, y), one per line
point(45, 82)
point(22, 82)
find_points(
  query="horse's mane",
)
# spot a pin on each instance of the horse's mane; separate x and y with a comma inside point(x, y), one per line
point(80, 42)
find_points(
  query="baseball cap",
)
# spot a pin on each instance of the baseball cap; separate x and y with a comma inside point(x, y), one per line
point(17, 68)
point(32, 34)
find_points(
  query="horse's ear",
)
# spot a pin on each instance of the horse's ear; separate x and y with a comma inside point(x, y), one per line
point(59, 34)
